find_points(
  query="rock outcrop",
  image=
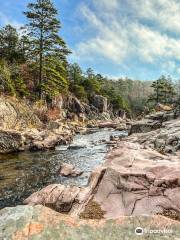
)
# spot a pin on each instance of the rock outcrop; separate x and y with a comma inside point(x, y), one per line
point(70, 199)
point(56, 196)
point(67, 170)
point(133, 181)
point(164, 140)
point(139, 181)
point(144, 126)
point(142, 175)
point(27, 223)
point(47, 140)
point(100, 102)
point(40, 128)
point(16, 115)
point(162, 107)
point(73, 105)
point(109, 124)
point(162, 116)
point(33, 139)
point(30, 133)
point(11, 141)
point(118, 124)
point(154, 121)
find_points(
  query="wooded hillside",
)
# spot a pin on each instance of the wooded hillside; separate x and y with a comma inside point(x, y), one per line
point(34, 65)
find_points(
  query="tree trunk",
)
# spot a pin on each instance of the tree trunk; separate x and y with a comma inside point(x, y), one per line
point(157, 99)
point(40, 76)
point(41, 66)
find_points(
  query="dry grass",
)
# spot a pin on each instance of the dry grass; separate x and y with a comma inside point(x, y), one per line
point(53, 114)
point(172, 214)
point(92, 211)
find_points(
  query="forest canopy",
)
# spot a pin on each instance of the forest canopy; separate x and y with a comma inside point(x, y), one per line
point(34, 65)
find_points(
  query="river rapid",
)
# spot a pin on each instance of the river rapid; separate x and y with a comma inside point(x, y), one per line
point(23, 173)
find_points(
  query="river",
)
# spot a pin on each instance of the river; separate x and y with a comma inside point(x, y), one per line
point(23, 173)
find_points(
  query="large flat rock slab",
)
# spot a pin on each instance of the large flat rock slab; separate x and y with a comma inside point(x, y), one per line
point(41, 223)
point(133, 181)
point(139, 181)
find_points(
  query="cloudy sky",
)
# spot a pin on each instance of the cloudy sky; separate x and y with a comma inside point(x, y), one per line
point(135, 38)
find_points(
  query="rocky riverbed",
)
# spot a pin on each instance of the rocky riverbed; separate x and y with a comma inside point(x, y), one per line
point(25, 172)
point(140, 176)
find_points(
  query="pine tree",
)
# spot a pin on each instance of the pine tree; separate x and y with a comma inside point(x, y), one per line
point(9, 44)
point(164, 91)
point(7, 85)
point(91, 83)
point(75, 74)
point(76, 79)
point(55, 77)
point(19, 83)
point(158, 87)
point(43, 28)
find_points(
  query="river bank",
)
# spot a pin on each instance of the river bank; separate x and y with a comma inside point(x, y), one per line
point(140, 176)
point(27, 127)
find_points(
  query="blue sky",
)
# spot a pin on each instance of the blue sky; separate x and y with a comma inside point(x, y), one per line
point(139, 39)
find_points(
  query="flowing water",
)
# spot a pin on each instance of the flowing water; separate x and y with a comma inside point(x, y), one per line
point(21, 174)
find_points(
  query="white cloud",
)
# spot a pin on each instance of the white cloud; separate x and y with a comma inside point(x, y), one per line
point(109, 41)
point(166, 13)
point(178, 71)
point(151, 45)
point(118, 37)
point(106, 4)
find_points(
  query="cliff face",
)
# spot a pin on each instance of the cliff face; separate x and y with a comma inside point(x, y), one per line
point(15, 114)
point(22, 129)
point(96, 109)
point(19, 114)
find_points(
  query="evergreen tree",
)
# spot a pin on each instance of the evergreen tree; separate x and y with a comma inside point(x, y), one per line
point(75, 74)
point(158, 88)
point(10, 49)
point(164, 91)
point(7, 85)
point(76, 79)
point(169, 91)
point(119, 103)
point(43, 28)
point(91, 83)
point(11, 81)
point(18, 81)
point(55, 77)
